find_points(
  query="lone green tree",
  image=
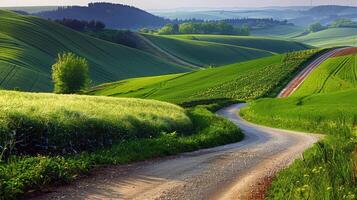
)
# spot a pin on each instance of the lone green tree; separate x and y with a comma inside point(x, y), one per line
point(70, 74)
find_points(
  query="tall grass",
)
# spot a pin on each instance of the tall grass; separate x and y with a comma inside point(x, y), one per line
point(60, 124)
point(19, 175)
point(328, 169)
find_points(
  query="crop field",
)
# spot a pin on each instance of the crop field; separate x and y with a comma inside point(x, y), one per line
point(206, 53)
point(29, 46)
point(331, 37)
point(281, 31)
point(335, 74)
point(74, 123)
point(326, 104)
point(248, 80)
point(262, 43)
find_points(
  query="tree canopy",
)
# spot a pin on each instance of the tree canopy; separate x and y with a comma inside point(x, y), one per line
point(70, 74)
point(221, 28)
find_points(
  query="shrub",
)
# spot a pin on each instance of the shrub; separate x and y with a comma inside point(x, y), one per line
point(70, 74)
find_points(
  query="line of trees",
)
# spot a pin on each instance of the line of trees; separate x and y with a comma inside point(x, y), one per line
point(339, 23)
point(221, 28)
point(82, 25)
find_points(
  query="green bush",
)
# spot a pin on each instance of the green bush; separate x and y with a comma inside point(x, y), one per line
point(22, 174)
point(70, 74)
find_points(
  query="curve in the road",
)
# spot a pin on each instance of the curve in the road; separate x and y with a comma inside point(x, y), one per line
point(226, 172)
point(234, 171)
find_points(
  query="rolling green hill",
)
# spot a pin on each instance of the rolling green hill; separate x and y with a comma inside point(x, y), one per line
point(326, 104)
point(261, 43)
point(331, 37)
point(338, 73)
point(248, 80)
point(214, 50)
point(29, 45)
point(284, 31)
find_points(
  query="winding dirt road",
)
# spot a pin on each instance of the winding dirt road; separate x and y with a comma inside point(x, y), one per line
point(234, 171)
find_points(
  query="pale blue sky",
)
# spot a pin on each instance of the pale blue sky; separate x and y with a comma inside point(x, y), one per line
point(164, 4)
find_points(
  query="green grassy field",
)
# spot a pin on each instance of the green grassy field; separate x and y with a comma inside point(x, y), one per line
point(206, 53)
point(331, 37)
point(262, 43)
point(29, 46)
point(326, 104)
point(85, 122)
point(281, 31)
point(53, 139)
point(215, 50)
point(246, 80)
point(338, 73)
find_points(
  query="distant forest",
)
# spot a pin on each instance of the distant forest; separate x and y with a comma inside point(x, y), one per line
point(117, 16)
point(113, 15)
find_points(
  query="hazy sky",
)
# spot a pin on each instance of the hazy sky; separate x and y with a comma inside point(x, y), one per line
point(163, 4)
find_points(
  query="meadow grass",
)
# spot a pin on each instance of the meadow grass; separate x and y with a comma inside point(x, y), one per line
point(279, 31)
point(49, 123)
point(331, 37)
point(326, 104)
point(262, 43)
point(337, 73)
point(29, 46)
point(19, 175)
point(204, 53)
point(248, 80)
point(328, 169)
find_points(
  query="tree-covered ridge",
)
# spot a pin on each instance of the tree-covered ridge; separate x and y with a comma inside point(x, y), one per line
point(113, 15)
point(220, 28)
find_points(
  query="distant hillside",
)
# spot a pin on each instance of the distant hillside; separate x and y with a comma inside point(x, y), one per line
point(331, 37)
point(113, 15)
point(29, 46)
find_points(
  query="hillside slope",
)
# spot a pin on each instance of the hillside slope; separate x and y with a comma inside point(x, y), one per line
point(116, 16)
point(331, 37)
point(259, 43)
point(214, 50)
point(237, 81)
point(325, 104)
point(337, 73)
point(29, 45)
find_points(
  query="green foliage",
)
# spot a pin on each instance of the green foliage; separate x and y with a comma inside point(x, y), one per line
point(169, 29)
point(70, 74)
point(29, 45)
point(21, 174)
point(221, 28)
point(316, 27)
point(60, 124)
point(249, 80)
point(346, 23)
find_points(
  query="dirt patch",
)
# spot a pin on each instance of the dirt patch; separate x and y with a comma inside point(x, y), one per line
point(349, 51)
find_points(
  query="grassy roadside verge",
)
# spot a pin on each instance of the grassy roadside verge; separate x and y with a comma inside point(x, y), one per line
point(20, 175)
point(328, 169)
